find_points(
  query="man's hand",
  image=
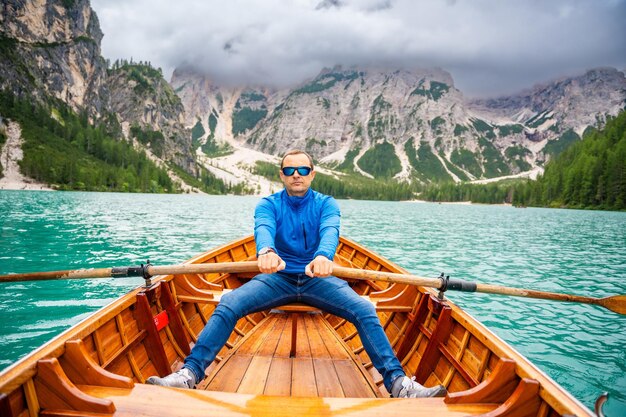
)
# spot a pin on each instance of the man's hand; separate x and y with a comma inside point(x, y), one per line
point(321, 266)
point(270, 263)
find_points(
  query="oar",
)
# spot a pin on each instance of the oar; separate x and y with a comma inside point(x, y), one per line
point(616, 303)
point(147, 270)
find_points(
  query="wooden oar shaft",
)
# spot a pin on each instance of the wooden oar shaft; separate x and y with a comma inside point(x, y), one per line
point(133, 271)
point(221, 267)
point(69, 274)
point(521, 292)
point(368, 275)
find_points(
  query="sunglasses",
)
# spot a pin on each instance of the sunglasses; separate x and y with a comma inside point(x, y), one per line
point(289, 171)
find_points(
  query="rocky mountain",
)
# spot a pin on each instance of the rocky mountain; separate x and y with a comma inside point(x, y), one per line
point(150, 111)
point(571, 103)
point(216, 116)
point(51, 49)
point(405, 124)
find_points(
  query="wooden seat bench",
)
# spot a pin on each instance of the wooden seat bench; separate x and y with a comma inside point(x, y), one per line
point(165, 402)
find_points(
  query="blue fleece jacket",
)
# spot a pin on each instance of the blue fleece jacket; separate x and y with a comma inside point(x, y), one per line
point(297, 228)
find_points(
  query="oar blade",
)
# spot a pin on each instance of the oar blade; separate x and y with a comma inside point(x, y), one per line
point(616, 303)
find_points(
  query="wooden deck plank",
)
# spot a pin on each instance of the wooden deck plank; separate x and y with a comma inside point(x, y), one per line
point(303, 378)
point(254, 380)
point(335, 348)
point(283, 350)
point(326, 379)
point(279, 377)
point(230, 375)
point(252, 344)
point(269, 347)
point(303, 349)
point(318, 348)
point(366, 385)
point(260, 363)
point(351, 379)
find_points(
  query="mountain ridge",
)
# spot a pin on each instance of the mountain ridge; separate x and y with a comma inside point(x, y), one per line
point(346, 113)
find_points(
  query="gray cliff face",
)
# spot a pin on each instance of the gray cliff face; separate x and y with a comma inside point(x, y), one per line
point(197, 93)
point(51, 48)
point(436, 134)
point(142, 99)
point(569, 103)
point(225, 113)
point(358, 108)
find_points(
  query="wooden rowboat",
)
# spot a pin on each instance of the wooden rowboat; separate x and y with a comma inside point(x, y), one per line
point(290, 361)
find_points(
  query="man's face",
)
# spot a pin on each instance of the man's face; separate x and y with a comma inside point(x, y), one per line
point(296, 184)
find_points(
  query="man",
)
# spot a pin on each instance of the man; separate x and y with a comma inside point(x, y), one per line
point(296, 233)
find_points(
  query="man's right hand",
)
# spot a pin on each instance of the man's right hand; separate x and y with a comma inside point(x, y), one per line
point(270, 263)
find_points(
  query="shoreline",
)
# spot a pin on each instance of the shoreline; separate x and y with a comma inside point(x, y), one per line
point(459, 203)
point(23, 186)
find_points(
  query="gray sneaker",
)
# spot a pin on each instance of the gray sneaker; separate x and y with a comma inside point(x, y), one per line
point(404, 387)
point(182, 378)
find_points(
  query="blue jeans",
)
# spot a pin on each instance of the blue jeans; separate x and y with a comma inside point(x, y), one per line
point(266, 291)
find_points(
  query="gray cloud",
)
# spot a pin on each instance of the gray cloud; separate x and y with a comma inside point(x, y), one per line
point(489, 46)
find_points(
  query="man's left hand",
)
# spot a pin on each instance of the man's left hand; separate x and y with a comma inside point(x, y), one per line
point(321, 266)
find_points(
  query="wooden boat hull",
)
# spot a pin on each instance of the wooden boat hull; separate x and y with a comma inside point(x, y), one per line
point(293, 360)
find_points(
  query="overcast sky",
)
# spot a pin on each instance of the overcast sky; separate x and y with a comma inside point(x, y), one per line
point(490, 47)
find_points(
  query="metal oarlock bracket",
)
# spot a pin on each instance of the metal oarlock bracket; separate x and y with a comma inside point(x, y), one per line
point(146, 275)
point(445, 280)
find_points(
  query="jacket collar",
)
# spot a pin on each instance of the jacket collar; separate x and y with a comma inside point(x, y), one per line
point(296, 201)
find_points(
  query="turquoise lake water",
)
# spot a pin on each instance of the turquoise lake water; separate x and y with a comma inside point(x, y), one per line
point(582, 347)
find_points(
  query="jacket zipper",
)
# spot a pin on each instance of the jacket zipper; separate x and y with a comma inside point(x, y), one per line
point(304, 232)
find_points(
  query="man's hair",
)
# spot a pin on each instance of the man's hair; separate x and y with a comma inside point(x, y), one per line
point(296, 152)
